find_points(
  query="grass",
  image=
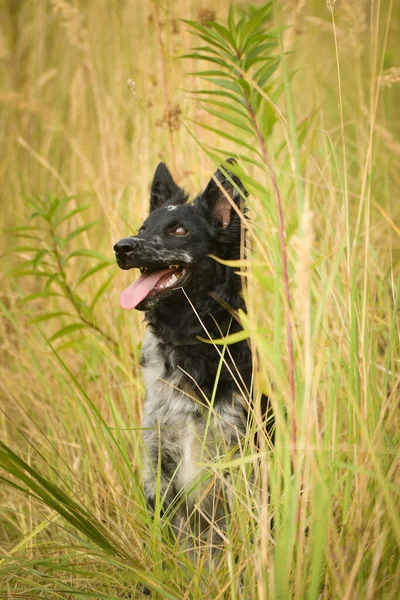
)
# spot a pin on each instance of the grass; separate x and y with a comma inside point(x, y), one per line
point(73, 521)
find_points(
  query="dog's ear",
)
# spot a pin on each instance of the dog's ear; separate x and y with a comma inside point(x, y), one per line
point(164, 189)
point(215, 196)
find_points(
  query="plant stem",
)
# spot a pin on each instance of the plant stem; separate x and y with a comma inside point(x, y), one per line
point(289, 334)
point(164, 83)
point(70, 294)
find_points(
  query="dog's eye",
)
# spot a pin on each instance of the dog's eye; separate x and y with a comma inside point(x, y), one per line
point(179, 231)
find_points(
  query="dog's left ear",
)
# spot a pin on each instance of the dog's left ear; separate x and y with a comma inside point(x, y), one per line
point(164, 189)
point(218, 190)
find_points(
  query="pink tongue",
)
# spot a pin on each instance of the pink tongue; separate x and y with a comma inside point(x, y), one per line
point(138, 291)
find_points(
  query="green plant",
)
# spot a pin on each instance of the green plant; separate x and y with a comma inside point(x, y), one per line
point(52, 241)
point(71, 422)
point(244, 58)
point(245, 55)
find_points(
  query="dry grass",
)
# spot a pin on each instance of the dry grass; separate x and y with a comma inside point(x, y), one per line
point(70, 124)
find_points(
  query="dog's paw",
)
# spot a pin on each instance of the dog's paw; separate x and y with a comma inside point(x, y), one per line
point(141, 591)
point(144, 590)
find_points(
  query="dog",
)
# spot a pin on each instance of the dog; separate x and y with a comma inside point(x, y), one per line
point(197, 404)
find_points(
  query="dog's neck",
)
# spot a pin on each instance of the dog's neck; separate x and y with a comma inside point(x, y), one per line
point(183, 323)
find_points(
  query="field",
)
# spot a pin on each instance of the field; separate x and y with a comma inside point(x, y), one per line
point(93, 95)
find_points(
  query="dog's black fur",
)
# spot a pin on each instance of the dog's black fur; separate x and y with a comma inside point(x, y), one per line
point(179, 370)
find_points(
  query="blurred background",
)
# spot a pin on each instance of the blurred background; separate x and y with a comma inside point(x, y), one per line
point(71, 125)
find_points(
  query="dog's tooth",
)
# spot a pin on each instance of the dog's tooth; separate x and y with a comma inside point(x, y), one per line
point(171, 281)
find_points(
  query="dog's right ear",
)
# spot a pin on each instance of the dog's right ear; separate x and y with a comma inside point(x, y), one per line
point(214, 200)
point(164, 189)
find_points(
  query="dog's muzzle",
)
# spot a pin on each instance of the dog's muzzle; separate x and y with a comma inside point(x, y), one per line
point(125, 246)
point(124, 251)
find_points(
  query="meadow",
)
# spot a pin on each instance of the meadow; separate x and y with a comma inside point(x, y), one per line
point(93, 94)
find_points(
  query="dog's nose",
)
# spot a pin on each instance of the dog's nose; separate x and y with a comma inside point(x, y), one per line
point(125, 246)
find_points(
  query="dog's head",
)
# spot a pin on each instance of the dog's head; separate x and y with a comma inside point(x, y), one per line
point(172, 248)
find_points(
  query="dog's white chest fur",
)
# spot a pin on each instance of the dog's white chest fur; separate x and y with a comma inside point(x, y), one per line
point(192, 456)
point(175, 430)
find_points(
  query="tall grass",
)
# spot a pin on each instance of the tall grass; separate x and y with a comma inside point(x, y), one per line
point(321, 159)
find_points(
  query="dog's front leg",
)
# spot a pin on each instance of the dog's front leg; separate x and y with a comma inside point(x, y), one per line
point(159, 469)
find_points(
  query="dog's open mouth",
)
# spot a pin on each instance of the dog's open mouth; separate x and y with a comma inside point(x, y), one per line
point(152, 283)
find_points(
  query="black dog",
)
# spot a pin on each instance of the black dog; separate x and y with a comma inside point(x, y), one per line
point(191, 415)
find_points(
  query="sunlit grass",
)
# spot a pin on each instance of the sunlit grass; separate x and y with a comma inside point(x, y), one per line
point(71, 405)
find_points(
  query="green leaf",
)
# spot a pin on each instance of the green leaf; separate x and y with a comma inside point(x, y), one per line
point(256, 100)
point(57, 208)
point(227, 95)
point(24, 249)
point(233, 338)
point(236, 264)
point(227, 136)
point(246, 87)
point(24, 268)
point(216, 33)
point(228, 85)
point(55, 277)
point(102, 289)
point(241, 22)
point(262, 76)
point(27, 236)
point(222, 54)
point(71, 214)
point(238, 157)
point(201, 28)
point(255, 22)
point(231, 107)
point(39, 215)
point(38, 259)
point(212, 59)
point(20, 273)
point(231, 20)
point(23, 228)
point(59, 241)
point(275, 92)
point(217, 48)
point(208, 35)
point(70, 343)
point(253, 184)
point(78, 231)
point(48, 316)
point(254, 56)
point(257, 40)
point(205, 74)
point(92, 271)
point(53, 496)
point(268, 282)
point(36, 203)
point(67, 330)
point(41, 294)
point(224, 33)
point(54, 204)
point(91, 254)
point(230, 119)
point(267, 119)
